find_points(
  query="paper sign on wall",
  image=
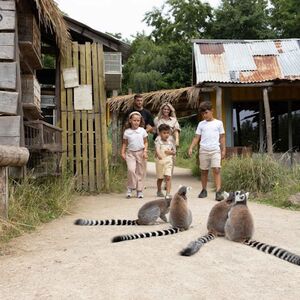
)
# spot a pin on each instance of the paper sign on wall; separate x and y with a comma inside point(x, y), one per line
point(70, 76)
point(83, 98)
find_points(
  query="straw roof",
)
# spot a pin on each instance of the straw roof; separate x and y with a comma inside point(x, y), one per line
point(52, 18)
point(153, 100)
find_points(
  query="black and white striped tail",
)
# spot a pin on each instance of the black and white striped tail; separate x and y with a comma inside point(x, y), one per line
point(85, 222)
point(276, 251)
point(195, 246)
point(143, 235)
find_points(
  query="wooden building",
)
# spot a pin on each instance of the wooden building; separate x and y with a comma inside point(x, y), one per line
point(54, 76)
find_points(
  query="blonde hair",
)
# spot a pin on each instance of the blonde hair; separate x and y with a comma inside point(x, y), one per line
point(172, 110)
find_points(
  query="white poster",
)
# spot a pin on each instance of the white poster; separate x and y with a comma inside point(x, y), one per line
point(70, 76)
point(83, 97)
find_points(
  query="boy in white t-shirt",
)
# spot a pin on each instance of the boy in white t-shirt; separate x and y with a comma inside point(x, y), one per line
point(210, 135)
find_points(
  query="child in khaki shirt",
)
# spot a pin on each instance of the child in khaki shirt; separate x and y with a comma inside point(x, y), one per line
point(165, 150)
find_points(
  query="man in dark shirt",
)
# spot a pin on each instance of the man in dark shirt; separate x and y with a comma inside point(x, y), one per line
point(146, 114)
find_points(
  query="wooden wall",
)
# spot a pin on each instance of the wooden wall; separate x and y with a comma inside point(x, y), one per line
point(84, 136)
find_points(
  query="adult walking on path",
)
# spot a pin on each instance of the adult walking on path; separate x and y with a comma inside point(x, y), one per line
point(167, 115)
point(63, 261)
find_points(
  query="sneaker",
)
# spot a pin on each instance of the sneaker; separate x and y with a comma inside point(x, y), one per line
point(219, 196)
point(160, 194)
point(128, 194)
point(203, 194)
point(168, 197)
point(140, 194)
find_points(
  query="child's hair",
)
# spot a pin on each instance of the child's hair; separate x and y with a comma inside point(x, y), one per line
point(164, 127)
point(134, 113)
point(205, 105)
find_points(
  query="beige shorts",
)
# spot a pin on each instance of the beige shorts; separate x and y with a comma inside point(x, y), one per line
point(210, 159)
point(163, 168)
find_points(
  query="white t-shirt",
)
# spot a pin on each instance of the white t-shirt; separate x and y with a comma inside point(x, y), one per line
point(210, 134)
point(135, 138)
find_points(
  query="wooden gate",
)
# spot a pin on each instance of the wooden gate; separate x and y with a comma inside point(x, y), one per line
point(84, 136)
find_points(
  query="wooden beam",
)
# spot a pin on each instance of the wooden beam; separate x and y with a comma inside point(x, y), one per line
point(4, 192)
point(8, 103)
point(8, 75)
point(290, 126)
point(268, 121)
point(7, 46)
point(219, 102)
point(8, 19)
point(10, 130)
point(214, 84)
point(261, 127)
point(114, 127)
point(7, 5)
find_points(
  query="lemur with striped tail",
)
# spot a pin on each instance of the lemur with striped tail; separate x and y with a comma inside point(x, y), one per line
point(239, 228)
point(148, 214)
point(215, 225)
point(180, 218)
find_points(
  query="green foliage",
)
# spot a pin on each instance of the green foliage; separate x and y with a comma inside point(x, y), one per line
point(36, 201)
point(49, 61)
point(285, 18)
point(240, 19)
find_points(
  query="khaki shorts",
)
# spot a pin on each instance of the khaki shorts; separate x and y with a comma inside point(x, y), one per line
point(210, 159)
point(163, 168)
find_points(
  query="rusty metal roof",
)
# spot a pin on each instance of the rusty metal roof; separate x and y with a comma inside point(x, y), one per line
point(246, 61)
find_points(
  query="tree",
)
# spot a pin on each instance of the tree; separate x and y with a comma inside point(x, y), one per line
point(285, 18)
point(240, 19)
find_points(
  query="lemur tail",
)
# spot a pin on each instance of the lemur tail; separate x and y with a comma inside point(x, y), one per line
point(276, 251)
point(86, 222)
point(194, 247)
point(143, 235)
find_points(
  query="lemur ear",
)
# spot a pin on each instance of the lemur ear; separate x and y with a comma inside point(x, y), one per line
point(225, 194)
point(180, 186)
point(188, 188)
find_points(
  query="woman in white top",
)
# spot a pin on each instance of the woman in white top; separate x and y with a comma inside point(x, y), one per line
point(167, 115)
point(134, 152)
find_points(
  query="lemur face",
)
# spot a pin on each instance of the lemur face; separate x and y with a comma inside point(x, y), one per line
point(183, 190)
point(241, 196)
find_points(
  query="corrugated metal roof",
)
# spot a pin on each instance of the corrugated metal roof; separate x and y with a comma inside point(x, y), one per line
point(239, 57)
point(247, 61)
point(289, 63)
point(211, 48)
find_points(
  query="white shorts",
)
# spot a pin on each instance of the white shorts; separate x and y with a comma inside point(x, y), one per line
point(163, 168)
point(209, 159)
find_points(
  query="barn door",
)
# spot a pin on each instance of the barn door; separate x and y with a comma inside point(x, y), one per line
point(83, 116)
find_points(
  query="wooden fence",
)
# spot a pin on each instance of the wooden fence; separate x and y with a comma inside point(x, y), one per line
point(84, 135)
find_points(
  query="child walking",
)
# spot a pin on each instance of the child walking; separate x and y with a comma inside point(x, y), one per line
point(165, 150)
point(211, 136)
point(135, 140)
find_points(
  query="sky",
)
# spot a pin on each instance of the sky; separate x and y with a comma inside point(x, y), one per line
point(124, 16)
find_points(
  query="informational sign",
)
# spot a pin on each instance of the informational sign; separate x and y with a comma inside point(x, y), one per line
point(83, 98)
point(70, 76)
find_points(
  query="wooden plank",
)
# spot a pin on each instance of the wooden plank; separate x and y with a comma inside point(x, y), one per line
point(7, 5)
point(268, 121)
point(98, 153)
point(91, 161)
point(85, 179)
point(10, 129)
point(70, 115)
point(114, 126)
point(219, 102)
point(8, 75)
point(8, 103)
point(104, 140)
point(77, 126)
point(7, 46)
point(8, 20)
point(4, 192)
point(63, 106)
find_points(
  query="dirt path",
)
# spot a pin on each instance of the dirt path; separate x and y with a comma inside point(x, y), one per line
point(63, 261)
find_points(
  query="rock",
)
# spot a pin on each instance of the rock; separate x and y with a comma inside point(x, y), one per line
point(295, 199)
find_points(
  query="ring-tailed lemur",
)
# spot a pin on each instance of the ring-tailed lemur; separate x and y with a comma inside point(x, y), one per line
point(215, 225)
point(147, 215)
point(180, 219)
point(239, 228)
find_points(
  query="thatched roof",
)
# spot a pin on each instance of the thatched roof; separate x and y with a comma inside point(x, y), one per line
point(52, 18)
point(153, 100)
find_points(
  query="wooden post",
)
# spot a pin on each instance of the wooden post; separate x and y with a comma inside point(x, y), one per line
point(290, 132)
point(261, 128)
point(14, 157)
point(219, 102)
point(114, 127)
point(268, 121)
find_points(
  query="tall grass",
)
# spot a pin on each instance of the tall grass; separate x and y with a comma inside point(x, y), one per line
point(268, 180)
point(36, 201)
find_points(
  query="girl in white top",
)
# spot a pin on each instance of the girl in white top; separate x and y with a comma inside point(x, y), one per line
point(167, 115)
point(135, 140)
